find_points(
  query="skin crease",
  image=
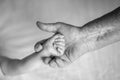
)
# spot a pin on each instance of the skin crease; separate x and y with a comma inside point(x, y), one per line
point(12, 67)
point(94, 35)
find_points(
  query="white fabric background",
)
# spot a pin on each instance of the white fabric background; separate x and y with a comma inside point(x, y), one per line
point(18, 34)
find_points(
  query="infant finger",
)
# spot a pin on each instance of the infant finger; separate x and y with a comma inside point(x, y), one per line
point(54, 37)
point(60, 50)
point(60, 62)
point(46, 60)
point(60, 35)
point(59, 40)
point(59, 43)
point(53, 64)
point(61, 47)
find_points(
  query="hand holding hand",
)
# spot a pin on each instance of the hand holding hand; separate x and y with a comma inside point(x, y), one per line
point(74, 43)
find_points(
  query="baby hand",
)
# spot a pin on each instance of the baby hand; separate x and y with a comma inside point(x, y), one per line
point(55, 46)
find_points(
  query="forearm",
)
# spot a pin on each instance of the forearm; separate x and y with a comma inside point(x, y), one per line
point(10, 66)
point(102, 31)
point(16, 66)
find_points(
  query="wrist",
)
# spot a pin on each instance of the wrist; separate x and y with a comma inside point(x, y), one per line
point(88, 37)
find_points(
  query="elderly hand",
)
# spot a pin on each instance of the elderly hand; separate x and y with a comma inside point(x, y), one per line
point(75, 45)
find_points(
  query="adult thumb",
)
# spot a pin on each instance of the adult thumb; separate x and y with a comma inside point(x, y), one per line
point(49, 27)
